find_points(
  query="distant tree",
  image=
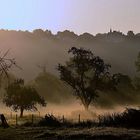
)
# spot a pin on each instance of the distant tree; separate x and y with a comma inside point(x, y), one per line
point(86, 74)
point(124, 83)
point(48, 33)
point(86, 37)
point(130, 34)
point(21, 97)
point(66, 33)
point(39, 33)
point(137, 78)
point(137, 63)
point(136, 82)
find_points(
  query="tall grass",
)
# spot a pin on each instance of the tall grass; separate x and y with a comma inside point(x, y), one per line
point(130, 118)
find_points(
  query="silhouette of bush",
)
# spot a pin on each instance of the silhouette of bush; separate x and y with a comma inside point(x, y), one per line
point(86, 124)
point(130, 118)
point(28, 124)
point(50, 120)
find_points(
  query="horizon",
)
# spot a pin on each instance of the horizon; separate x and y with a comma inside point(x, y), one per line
point(31, 31)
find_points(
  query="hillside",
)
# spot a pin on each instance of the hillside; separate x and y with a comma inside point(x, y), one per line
point(42, 47)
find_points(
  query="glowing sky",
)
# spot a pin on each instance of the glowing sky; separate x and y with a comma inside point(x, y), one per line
point(78, 15)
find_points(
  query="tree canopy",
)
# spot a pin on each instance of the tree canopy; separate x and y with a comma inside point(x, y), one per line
point(137, 63)
point(6, 63)
point(21, 97)
point(137, 78)
point(87, 74)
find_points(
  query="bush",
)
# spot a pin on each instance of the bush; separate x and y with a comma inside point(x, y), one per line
point(130, 118)
point(50, 120)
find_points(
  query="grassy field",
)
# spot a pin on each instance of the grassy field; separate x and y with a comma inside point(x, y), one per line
point(113, 126)
point(42, 133)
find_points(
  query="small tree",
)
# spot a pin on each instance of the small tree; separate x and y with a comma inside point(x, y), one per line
point(86, 74)
point(21, 97)
point(130, 34)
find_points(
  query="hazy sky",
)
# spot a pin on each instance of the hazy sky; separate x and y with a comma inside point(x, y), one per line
point(78, 15)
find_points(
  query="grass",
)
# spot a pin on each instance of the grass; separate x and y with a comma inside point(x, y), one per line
point(95, 133)
point(130, 118)
point(122, 126)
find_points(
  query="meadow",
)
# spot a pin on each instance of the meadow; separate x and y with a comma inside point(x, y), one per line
point(122, 126)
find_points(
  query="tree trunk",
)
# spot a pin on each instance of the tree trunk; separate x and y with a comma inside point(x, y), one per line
point(21, 112)
point(85, 104)
point(86, 107)
point(3, 121)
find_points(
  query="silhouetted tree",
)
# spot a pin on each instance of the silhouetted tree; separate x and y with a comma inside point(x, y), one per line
point(86, 74)
point(39, 33)
point(6, 63)
point(124, 85)
point(130, 34)
point(3, 121)
point(66, 33)
point(137, 78)
point(21, 97)
point(137, 63)
point(86, 37)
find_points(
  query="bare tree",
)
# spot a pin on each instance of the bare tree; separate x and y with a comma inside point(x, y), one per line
point(6, 63)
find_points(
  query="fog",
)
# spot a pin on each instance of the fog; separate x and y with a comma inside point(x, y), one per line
point(69, 111)
point(42, 48)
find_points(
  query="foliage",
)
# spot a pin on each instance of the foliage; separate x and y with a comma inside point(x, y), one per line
point(50, 120)
point(130, 34)
point(5, 65)
point(124, 82)
point(21, 97)
point(137, 63)
point(129, 118)
point(137, 78)
point(86, 74)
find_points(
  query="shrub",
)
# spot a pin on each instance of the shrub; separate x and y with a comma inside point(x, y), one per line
point(129, 118)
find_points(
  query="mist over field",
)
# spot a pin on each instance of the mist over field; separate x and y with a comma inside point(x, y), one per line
point(39, 51)
point(70, 69)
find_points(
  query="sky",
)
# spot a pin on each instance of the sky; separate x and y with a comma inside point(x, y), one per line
point(80, 16)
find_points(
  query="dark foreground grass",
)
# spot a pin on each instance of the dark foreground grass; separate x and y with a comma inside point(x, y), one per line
point(123, 126)
point(52, 121)
point(49, 133)
point(130, 118)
